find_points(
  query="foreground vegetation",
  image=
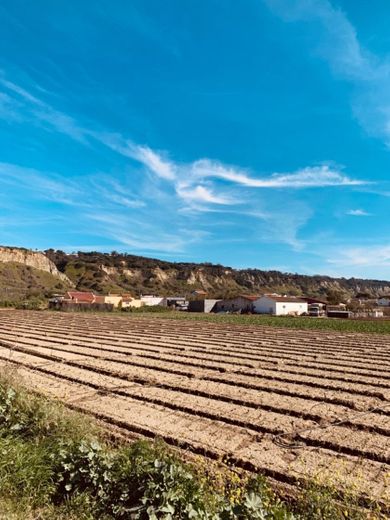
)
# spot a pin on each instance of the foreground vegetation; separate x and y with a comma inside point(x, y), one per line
point(57, 464)
point(377, 326)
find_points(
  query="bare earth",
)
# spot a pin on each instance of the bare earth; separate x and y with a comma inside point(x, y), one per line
point(288, 403)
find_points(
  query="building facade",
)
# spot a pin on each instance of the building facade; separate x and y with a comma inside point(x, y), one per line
point(280, 305)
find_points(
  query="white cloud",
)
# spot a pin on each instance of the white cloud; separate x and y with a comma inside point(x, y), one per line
point(47, 185)
point(190, 188)
point(162, 168)
point(21, 92)
point(168, 170)
point(375, 256)
point(9, 108)
point(145, 236)
point(335, 40)
point(202, 194)
point(311, 177)
point(43, 112)
point(335, 33)
point(153, 161)
point(358, 213)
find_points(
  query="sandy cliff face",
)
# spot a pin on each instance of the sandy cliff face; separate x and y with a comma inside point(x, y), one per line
point(33, 259)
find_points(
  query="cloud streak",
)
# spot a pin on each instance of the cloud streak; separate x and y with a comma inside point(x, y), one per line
point(374, 256)
point(359, 213)
point(311, 177)
point(336, 41)
point(190, 188)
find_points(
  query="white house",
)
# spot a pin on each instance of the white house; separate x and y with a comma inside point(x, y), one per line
point(279, 305)
point(384, 301)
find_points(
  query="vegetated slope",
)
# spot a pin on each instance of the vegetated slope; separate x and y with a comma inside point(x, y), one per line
point(19, 282)
point(105, 272)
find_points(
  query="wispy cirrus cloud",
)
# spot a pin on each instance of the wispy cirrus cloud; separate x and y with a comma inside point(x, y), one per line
point(167, 169)
point(336, 41)
point(202, 194)
point(372, 256)
point(203, 185)
point(143, 235)
point(334, 33)
point(77, 192)
point(359, 213)
point(47, 185)
point(41, 112)
point(310, 177)
point(156, 163)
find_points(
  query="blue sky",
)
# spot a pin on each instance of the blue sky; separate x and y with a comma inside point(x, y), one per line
point(253, 133)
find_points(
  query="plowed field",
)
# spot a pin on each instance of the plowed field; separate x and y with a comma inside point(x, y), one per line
point(288, 403)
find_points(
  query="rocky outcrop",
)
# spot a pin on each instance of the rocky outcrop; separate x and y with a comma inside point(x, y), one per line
point(160, 275)
point(34, 259)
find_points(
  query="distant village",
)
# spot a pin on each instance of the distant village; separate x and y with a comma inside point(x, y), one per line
point(272, 304)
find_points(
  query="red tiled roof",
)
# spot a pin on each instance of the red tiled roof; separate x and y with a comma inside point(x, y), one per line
point(251, 297)
point(80, 296)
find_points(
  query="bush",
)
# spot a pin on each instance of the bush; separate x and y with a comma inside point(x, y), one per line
point(32, 304)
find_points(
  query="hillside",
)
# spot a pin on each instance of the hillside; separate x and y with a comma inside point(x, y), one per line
point(26, 274)
point(104, 272)
point(35, 259)
point(20, 282)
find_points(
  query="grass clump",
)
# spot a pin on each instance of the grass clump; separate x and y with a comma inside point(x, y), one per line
point(56, 464)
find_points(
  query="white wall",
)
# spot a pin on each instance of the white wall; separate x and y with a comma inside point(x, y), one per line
point(266, 305)
point(209, 305)
point(283, 308)
point(153, 300)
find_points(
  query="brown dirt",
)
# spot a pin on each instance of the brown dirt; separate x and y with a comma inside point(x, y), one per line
point(288, 403)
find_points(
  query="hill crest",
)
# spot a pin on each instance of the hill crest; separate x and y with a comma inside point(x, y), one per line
point(112, 272)
point(116, 272)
